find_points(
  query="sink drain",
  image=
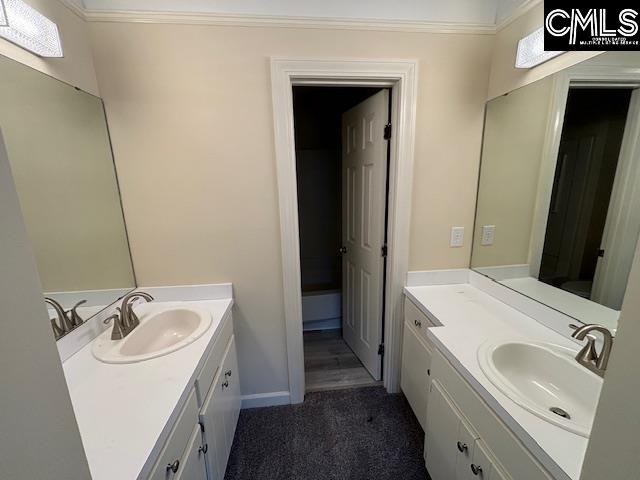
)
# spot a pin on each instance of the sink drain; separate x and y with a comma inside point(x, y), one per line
point(560, 412)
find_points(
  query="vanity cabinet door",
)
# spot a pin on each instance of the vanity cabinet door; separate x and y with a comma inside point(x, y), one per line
point(414, 376)
point(230, 385)
point(498, 474)
point(480, 467)
point(233, 392)
point(212, 419)
point(193, 466)
point(441, 443)
point(177, 442)
point(466, 445)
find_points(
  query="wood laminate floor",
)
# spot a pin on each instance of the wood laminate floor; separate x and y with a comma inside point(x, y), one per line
point(329, 363)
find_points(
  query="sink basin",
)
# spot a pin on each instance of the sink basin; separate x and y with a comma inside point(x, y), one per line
point(546, 380)
point(160, 332)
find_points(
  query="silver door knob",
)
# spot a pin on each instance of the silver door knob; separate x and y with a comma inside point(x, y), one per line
point(342, 250)
point(462, 447)
point(476, 469)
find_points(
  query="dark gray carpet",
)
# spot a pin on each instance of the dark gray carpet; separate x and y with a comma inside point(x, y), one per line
point(361, 433)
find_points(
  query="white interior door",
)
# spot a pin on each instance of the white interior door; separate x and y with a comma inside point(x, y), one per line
point(364, 172)
point(622, 227)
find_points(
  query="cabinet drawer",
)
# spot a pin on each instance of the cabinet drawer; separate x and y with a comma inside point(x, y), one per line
point(178, 440)
point(212, 364)
point(416, 319)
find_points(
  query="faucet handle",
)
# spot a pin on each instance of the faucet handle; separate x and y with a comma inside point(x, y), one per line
point(74, 316)
point(107, 320)
point(118, 330)
point(588, 353)
point(58, 332)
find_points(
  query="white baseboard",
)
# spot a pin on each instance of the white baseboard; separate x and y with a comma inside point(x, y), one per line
point(270, 399)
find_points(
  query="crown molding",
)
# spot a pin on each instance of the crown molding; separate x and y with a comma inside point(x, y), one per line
point(247, 20)
point(517, 13)
point(74, 7)
point(283, 21)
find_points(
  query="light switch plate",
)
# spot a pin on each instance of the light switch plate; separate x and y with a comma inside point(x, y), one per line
point(488, 234)
point(457, 236)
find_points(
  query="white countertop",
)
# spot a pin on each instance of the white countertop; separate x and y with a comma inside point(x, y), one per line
point(469, 317)
point(125, 412)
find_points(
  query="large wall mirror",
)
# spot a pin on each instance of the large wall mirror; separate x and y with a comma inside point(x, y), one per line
point(558, 212)
point(59, 151)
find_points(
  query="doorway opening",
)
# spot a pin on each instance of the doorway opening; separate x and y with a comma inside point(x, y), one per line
point(342, 163)
point(586, 184)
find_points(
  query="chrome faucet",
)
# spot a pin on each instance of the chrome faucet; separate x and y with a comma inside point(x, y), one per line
point(588, 357)
point(125, 321)
point(64, 324)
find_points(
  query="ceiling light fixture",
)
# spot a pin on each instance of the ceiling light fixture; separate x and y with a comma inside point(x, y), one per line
point(531, 50)
point(29, 29)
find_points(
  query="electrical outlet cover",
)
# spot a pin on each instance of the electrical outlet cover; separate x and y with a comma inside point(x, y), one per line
point(457, 236)
point(488, 235)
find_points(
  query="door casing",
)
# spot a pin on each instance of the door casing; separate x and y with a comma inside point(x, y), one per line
point(401, 77)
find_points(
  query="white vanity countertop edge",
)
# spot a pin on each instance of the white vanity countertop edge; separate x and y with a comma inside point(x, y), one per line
point(125, 412)
point(468, 318)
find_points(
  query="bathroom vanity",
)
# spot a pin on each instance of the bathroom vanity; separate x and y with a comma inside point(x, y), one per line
point(474, 429)
point(167, 417)
point(503, 363)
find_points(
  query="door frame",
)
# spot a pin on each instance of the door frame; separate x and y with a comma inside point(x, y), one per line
point(599, 75)
point(401, 77)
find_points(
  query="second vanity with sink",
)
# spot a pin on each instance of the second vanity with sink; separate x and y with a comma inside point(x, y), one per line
point(163, 402)
point(500, 396)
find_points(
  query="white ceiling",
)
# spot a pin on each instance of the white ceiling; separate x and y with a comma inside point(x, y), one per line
point(465, 12)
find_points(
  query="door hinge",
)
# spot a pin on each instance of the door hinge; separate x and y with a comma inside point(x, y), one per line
point(381, 349)
point(384, 250)
point(201, 426)
point(387, 131)
point(601, 253)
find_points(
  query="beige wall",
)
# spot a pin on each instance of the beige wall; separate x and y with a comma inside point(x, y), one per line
point(191, 119)
point(514, 136)
point(504, 76)
point(58, 147)
point(76, 67)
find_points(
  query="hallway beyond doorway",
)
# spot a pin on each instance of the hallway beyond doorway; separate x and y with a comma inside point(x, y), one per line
point(329, 363)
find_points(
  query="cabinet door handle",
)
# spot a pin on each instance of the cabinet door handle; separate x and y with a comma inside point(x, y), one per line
point(462, 447)
point(227, 373)
point(476, 469)
point(174, 466)
point(418, 323)
point(203, 448)
point(225, 384)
